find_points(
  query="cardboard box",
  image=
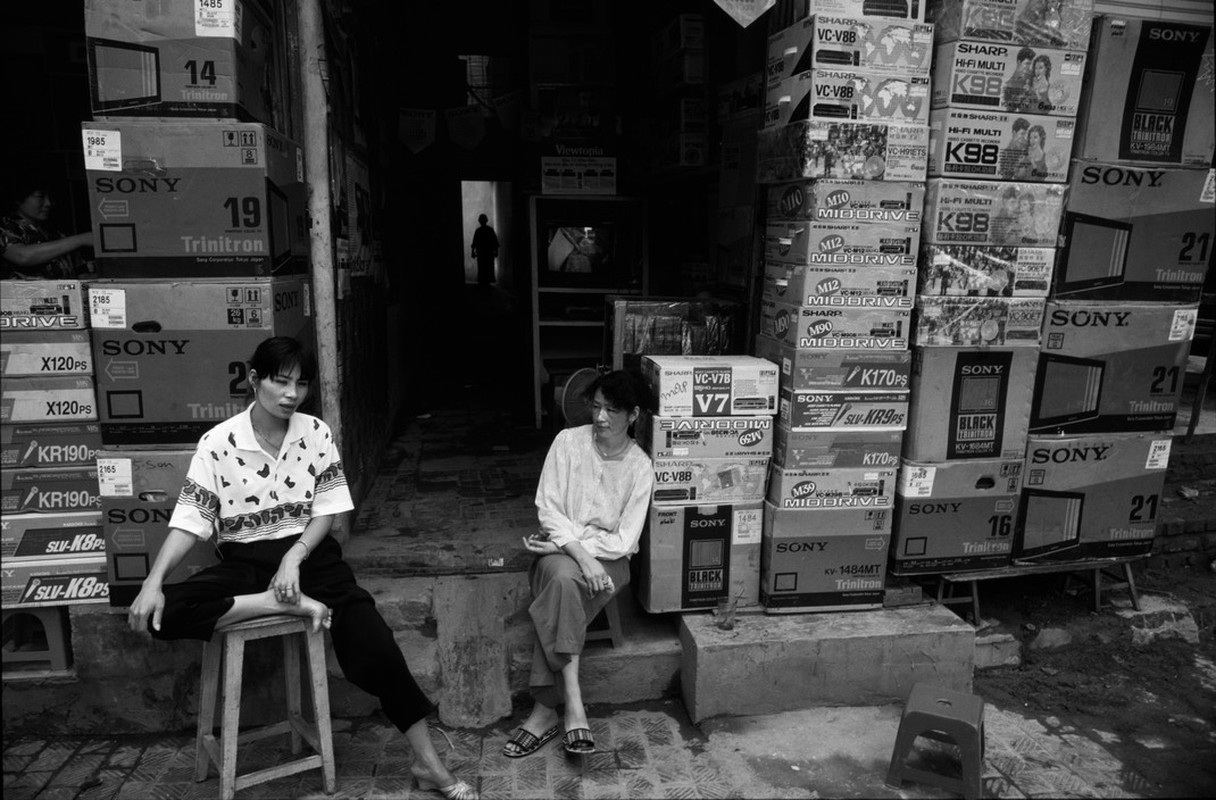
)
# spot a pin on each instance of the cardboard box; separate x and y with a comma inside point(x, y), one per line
point(894, 47)
point(1092, 496)
point(1132, 234)
point(54, 353)
point(681, 69)
point(819, 571)
point(1111, 367)
point(1150, 97)
point(694, 555)
point(1005, 76)
point(682, 150)
point(836, 369)
point(815, 409)
point(820, 488)
point(992, 213)
point(54, 582)
point(786, 12)
point(978, 321)
point(49, 445)
point(51, 535)
point(836, 328)
point(709, 480)
point(186, 199)
point(811, 242)
point(51, 400)
point(833, 200)
point(55, 490)
point(969, 403)
point(706, 437)
point(1064, 24)
point(847, 94)
point(42, 305)
point(682, 32)
point(840, 286)
point(996, 145)
point(832, 448)
point(179, 58)
point(819, 148)
point(171, 355)
point(955, 517)
point(985, 271)
point(711, 386)
point(669, 326)
point(139, 489)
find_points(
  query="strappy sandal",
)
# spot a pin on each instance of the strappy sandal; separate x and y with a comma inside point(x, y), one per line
point(579, 741)
point(526, 743)
point(457, 791)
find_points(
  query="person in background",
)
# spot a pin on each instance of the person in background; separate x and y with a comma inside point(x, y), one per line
point(592, 501)
point(267, 484)
point(29, 248)
point(485, 250)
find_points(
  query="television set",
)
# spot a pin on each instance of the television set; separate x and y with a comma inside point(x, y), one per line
point(588, 243)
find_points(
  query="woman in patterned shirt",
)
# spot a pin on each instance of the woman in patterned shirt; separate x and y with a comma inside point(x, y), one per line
point(30, 249)
point(267, 484)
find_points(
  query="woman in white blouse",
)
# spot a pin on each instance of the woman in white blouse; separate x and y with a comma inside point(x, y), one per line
point(592, 501)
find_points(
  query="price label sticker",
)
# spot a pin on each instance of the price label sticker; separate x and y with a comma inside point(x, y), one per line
point(220, 18)
point(917, 481)
point(748, 527)
point(108, 308)
point(102, 149)
point(114, 477)
point(1158, 454)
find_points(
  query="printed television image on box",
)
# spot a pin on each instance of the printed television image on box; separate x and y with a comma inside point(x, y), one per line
point(985, 271)
point(993, 145)
point(1052, 23)
point(1011, 77)
point(848, 94)
point(842, 149)
point(992, 213)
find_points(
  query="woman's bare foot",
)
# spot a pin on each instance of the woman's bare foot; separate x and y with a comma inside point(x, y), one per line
point(321, 614)
point(540, 720)
point(576, 716)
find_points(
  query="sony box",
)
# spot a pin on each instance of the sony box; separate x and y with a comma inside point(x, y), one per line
point(38, 400)
point(815, 409)
point(706, 437)
point(709, 480)
point(171, 356)
point(1062, 23)
point(711, 386)
point(970, 403)
point(1132, 234)
point(1150, 98)
point(54, 582)
point(978, 321)
point(996, 145)
point(55, 490)
point(848, 94)
point(29, 353)
point(51, 535)
point(955, 517)
point(694, 555)
point(875, 370)
point(985, 270)
point(839, 448)
point(42, 305)
point(1111, 367)
point(859, 243)
point(1010, 77)
point(49, 444)
point(183, 199)
point(842, 149)
point(820, 571)
point(831, 200)
point(992, 213)
point(821, 488)
point(1092, 496)
point(840, 286)
point(836, 328)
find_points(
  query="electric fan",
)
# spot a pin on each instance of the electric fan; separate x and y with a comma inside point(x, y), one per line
point(573, 403)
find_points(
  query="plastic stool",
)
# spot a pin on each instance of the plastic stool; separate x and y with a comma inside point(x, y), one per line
point(946, 716)
point(226, 652)
point(614, 633)
point(22, 647)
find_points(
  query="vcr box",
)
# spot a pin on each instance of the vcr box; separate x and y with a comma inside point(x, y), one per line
point(839, 447)
point(992, 213)
point(894, 47)
point(835, 200)
point(984, 270)
point(847, 94)
point(859, 150)
point(824, 328)
point(1007, 76)
point(978, 321)
point(705, 437)
point(816, 409)
point(997, 145)
point(832, 489)
point(840, 286)
point(875, 370)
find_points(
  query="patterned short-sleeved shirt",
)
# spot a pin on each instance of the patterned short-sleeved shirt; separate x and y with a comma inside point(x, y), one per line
point(234, 489)
point(18, 230)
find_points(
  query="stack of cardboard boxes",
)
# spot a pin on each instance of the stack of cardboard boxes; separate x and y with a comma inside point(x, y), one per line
point(682, 110)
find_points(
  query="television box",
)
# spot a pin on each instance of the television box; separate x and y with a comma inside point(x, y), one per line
point(978, 321)
point(970, 403)
point(843, 448)
point(820, 571)
point(1091, 496)
point(54, 490)
point(669, 326)
point(1065, 24)
point(816, 409)
point(711, 386)
point(893, 47)
point(49, 444)
point(855, 150)
point(682, 69)
point(706, 437)
point(997, 145)
point(1135, 234)
point(194, 199)
point(984, 270)
point(55, 353)
point(836, 328)
point(809, 242)
point(54, 582)
point(786, 12)
point(992, 213)
point(171, 355)
point(682, 32)
point(1110, 367)
point(694, 555)
point(821, 488)
point(955, 517)
point(51, 535)
point(876, 370)
point(179, 58)
point(709, 480)
point(840, 286)
point(52, 400)
point(990, 77)
point(42, 305)
point(847, 94)
point(832, 200)
point(1150, 99)
point(139, 489)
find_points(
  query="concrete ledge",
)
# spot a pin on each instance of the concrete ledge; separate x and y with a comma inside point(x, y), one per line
point(769, 664)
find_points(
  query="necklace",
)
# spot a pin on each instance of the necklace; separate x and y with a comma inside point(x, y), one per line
point(269, 441)
point(614, 454)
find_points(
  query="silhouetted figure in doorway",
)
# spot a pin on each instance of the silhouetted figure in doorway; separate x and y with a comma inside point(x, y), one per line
point(485, 250)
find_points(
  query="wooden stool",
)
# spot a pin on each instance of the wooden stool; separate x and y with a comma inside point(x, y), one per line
point(613, 632)
point(226, 651)
point(947, 716)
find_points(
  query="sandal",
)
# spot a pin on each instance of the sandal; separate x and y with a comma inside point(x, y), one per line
point(526, 743)
point(457, 791)
point(579, 741)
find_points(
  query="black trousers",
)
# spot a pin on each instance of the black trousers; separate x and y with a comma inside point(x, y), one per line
point(363, 642)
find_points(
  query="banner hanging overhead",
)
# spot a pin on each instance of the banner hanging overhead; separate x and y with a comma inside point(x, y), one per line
point(416, 128)
point(745, 12)
point(466, 125)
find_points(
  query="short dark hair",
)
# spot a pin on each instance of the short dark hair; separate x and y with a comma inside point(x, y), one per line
point(279, 354)
point(483, 219)
point(622, 388)
point(1020, 124)
point(1025, 53)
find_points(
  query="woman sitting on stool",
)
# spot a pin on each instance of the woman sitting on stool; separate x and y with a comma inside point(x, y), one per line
point(592, 501)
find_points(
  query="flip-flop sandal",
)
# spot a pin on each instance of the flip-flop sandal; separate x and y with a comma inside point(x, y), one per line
point(579, 741)
point(528, 742)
